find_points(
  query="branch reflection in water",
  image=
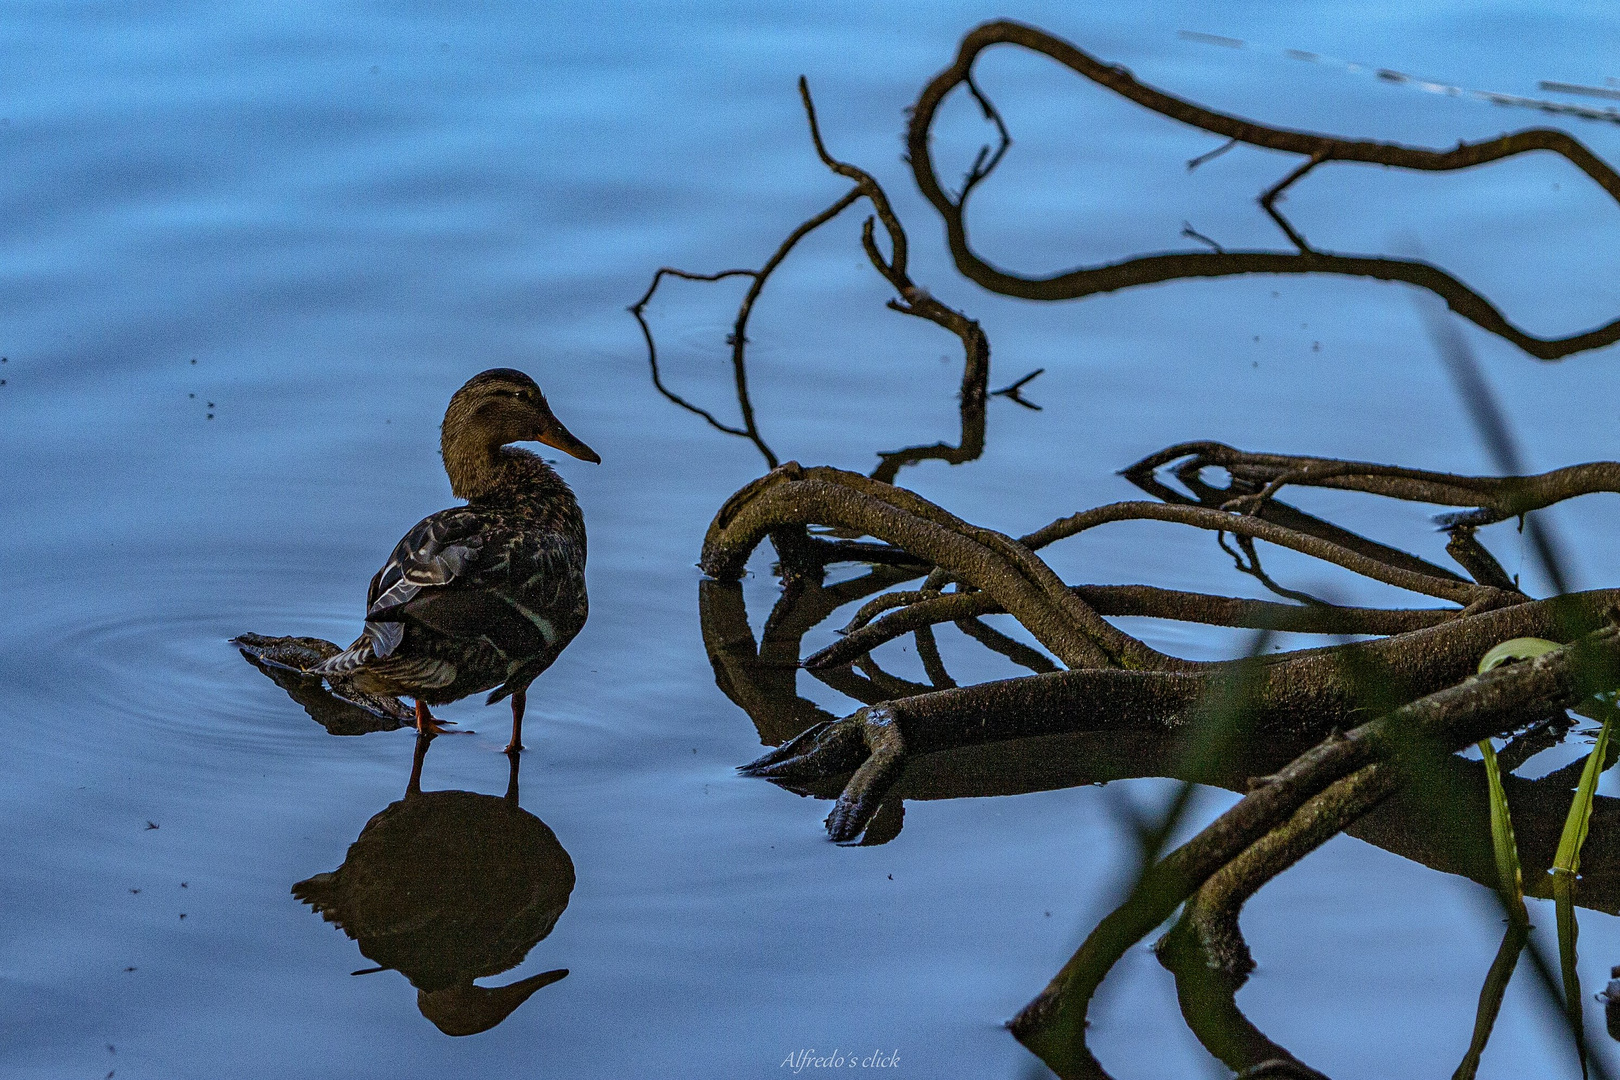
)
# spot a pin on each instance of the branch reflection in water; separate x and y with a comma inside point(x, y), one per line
point(1317, 150)
point(1133, 272)
point(759, 677)
point(1419, 671)
point(910, 300)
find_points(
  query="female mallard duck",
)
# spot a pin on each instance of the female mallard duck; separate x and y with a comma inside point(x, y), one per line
point(487, 594)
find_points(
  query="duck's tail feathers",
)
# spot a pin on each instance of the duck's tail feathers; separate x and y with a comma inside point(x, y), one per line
point(376, 642)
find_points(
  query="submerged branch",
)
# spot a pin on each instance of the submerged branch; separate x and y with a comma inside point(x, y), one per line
point(1257, 528)
point(988, 560)
point(1407, 700)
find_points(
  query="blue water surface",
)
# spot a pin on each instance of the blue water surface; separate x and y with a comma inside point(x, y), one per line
point(248, 251)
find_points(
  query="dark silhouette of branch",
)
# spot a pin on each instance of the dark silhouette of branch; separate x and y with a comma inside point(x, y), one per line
point(912, 300)
point(1493, 498)
point(1316, 148)
point(739, 329)
point(1349, 738)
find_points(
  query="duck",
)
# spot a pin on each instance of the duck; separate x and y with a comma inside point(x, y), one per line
point(486, 595)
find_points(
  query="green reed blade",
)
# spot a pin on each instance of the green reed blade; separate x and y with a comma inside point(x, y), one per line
point(1509, 877)
point(1567, 864)
point(1568, 931)
point(1568, 859)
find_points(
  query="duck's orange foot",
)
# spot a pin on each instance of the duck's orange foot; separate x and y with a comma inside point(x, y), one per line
point(429, 725)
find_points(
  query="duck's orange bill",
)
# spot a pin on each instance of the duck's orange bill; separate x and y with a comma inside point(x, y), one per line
point(552, 433)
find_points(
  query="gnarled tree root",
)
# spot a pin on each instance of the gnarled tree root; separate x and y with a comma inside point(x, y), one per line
point(1303, 695)
point(1210, 917)
point(1492, 498)
point(793, 496)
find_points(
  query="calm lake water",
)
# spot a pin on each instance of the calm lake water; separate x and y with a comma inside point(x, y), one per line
point(248, 253)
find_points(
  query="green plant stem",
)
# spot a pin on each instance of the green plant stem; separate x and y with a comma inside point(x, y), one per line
point(1509, 877)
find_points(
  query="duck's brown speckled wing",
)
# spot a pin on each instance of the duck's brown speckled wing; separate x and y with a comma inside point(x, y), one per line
point(440, 549)
point(488, 592)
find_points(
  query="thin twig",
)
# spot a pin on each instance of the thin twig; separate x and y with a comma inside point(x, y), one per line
point(638, 309)
point(1211, 155)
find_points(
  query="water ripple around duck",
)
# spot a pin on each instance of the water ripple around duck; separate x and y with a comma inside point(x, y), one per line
point(158, 666)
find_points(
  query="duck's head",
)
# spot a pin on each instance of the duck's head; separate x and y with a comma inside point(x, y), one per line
point(503, 405)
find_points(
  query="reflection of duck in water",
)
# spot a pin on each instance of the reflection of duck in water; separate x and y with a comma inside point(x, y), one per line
point(336, 704)
point(446, 887)
point(484, 595)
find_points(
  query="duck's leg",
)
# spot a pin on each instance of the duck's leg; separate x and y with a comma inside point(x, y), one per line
point(426, 723)
point(414, 787)
point(519, 700)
